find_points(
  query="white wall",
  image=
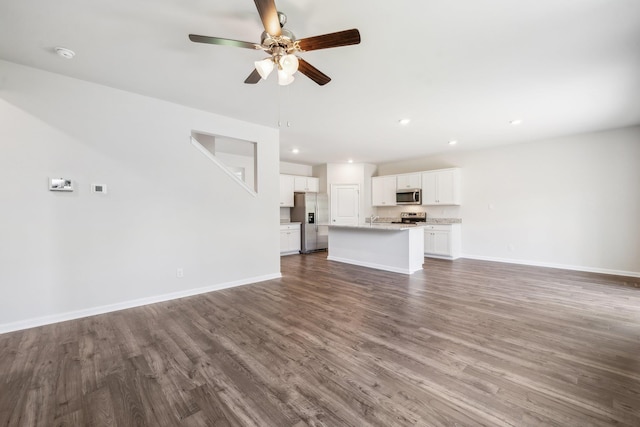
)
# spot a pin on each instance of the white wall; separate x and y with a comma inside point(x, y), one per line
point(320, 171)
point(289, 168)
point(572, 202)
point(63, 255)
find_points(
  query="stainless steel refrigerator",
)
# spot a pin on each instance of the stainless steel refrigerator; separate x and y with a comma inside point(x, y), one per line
point(312, 210)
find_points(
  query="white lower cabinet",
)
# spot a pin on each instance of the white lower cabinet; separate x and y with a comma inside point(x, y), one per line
point(442, 241)
point(289, 239)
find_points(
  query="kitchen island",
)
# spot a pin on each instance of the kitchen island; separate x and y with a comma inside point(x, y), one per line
point(391, 247)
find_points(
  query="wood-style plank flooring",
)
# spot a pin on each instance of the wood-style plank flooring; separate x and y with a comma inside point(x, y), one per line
point(463, 343)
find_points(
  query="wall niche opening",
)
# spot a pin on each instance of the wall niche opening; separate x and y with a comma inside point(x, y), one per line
point(238, 158)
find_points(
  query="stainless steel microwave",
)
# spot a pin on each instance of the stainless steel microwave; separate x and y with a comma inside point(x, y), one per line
point(409, 196)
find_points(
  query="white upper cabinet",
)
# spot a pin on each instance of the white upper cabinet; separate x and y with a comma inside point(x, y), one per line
point(291, 183)
point(441, 187)
point(306, 183)
point(286, 191)
point(383, 190)
point(410, 180)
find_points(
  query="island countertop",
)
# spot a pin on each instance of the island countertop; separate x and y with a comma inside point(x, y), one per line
point(385, 226)
point(427, 221)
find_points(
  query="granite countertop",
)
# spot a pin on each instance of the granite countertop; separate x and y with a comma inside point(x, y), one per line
point(427, 222)
point(290, 223)
point(443, 221)
point(379, 226)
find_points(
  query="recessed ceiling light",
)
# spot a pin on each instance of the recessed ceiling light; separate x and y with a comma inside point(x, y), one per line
point(515, 122)
point(295, 151)
point(453, 142)
point(65, 53)
point(404, 121)
point(350, 160)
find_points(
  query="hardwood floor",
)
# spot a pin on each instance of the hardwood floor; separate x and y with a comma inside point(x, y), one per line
point(463, 343)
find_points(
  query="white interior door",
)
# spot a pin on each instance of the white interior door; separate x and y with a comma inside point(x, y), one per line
point(345, 204)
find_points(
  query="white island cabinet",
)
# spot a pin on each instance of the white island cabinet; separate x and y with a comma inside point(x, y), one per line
point(391, 247)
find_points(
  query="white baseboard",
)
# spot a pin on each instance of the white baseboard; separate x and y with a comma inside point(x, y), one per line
point(372, 265)
point(450, 258)
point(77, 314)
point(290, 253)
point(554, 265)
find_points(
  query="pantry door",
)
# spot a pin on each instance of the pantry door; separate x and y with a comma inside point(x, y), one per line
point(345, 204)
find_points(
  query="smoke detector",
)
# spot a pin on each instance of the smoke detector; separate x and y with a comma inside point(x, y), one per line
point(65, 53)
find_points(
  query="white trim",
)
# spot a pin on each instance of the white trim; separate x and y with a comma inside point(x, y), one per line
point(372, 265)
point(430, 255)
point(554, 265)
point(295, 252)
point(222, 166)
point(71, 315)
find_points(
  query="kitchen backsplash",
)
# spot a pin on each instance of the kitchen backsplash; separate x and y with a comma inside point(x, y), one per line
point(285, 215)
point(432, 211)
point(394, 212)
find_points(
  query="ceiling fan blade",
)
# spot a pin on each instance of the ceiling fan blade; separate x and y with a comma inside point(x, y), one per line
point(253, 78)
point(226, 42)
point(312, 72)
point(269, 16)
point(341, 38)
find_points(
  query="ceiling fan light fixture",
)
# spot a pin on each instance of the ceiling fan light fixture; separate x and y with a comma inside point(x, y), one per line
point(264, 67)
point(284, 78)
point(289, 64)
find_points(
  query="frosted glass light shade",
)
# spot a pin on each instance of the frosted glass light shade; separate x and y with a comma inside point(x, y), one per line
point(284, 78)
point(289, 64)
point(264, 67)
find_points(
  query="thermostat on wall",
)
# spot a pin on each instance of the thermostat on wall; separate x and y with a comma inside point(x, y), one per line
point(99, 188)
point(60, 184)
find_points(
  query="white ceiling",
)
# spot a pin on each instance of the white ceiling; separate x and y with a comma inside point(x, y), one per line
point(458, 69)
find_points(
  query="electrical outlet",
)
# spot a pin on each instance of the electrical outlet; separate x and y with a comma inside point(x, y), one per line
point(179, 272)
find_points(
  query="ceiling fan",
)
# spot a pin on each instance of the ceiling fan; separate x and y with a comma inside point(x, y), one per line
point(282, 45)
